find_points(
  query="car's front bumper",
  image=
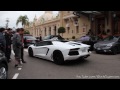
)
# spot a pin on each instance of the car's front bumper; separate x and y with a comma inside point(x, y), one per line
point(103, 50)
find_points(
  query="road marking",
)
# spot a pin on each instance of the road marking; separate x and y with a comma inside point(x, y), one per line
point(26, 50)
point(15, 76)
point(13, 52)
point(19, 68)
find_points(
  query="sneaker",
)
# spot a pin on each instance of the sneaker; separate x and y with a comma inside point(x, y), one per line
point(24, 62)
point(18, 66)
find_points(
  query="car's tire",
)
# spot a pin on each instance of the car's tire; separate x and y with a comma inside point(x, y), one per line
point(3, 71)
point(114, 51)
point(30, 52)
point(58, 57)
point(97, 52)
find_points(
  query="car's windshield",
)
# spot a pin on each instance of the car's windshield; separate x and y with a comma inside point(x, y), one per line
point(46, 37)
point(29, 37)
point(111, 38)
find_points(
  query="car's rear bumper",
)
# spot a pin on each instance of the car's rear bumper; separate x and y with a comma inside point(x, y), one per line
point(85, 55)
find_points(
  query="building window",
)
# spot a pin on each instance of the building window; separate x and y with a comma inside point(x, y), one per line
point(68, 28)
point(77, 29)
point(55, 30)
point(72, 31)
point(49, 30)
point(45, 31)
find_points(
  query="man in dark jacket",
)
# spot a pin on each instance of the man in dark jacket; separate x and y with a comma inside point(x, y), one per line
point(2, 40)
point(40, 37)
point(22, 48)
point(17, 45)
point(8, 43)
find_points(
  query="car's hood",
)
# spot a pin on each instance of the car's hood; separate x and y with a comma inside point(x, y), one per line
point(78, 41)
point(105, 42)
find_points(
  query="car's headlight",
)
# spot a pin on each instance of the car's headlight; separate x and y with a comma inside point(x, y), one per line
point(109, 45)
point(94, 45)
point(1, 54)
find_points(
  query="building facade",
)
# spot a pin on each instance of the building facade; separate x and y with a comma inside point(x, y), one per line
point(103, 22)
point(48, 24)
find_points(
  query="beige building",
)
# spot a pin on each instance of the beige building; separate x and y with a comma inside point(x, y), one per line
point(48, 24)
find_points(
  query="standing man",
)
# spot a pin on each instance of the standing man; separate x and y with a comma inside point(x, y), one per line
point(40, 37)
point(17, 44)
point(2, 40)
point(22, 48)
point(8, 43)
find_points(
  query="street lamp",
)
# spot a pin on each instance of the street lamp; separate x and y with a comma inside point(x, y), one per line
point(7, 21)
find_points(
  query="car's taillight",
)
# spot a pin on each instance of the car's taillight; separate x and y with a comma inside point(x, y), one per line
point(28, 41)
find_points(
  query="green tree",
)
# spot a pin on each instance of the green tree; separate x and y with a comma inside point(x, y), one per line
point(61, 30)
point(23, 19)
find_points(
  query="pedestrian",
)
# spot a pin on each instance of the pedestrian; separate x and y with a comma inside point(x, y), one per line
point(2, 40)
point(8, 44)
point(22, 48)
point(40, 37)
point(17, 44)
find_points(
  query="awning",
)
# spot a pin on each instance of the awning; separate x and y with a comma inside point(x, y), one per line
point(70, 16)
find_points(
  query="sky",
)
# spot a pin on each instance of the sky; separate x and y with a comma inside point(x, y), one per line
point(13, 16)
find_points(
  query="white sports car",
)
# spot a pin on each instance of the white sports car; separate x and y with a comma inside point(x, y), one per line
point(59, 51)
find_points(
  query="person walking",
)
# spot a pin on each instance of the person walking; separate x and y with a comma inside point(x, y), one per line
point(22, 48)
point(17, 44)
point(2, 40)
point(40, 38)
point(8, 44)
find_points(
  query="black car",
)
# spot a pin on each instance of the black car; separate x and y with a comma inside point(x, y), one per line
point(29, 40)
point(109, 44)
point(89, 40)
point(3, 65)
point(58, 37)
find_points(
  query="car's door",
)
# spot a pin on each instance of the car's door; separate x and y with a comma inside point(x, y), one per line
point(42, 48)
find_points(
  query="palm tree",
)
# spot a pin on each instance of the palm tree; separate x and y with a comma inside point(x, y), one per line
point(23, 19)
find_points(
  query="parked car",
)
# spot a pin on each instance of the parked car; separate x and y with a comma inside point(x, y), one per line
point(28, 40)
point(3, 65)
point(89, 40)
point(109, 44)
point(38, 38)
point(59, 51)
point(53, 36)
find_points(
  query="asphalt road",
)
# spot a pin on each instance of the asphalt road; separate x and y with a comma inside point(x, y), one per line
point(96, 66)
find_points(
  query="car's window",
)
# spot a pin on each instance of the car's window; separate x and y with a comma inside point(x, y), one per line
point(85, 38)
point(29, 37)
point(44, 43)
point(119, 40)
point(111, 38)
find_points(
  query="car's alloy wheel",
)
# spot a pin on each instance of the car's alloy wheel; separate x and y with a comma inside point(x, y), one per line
point(3, 72)
point(58, 57)
point(30, 51)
